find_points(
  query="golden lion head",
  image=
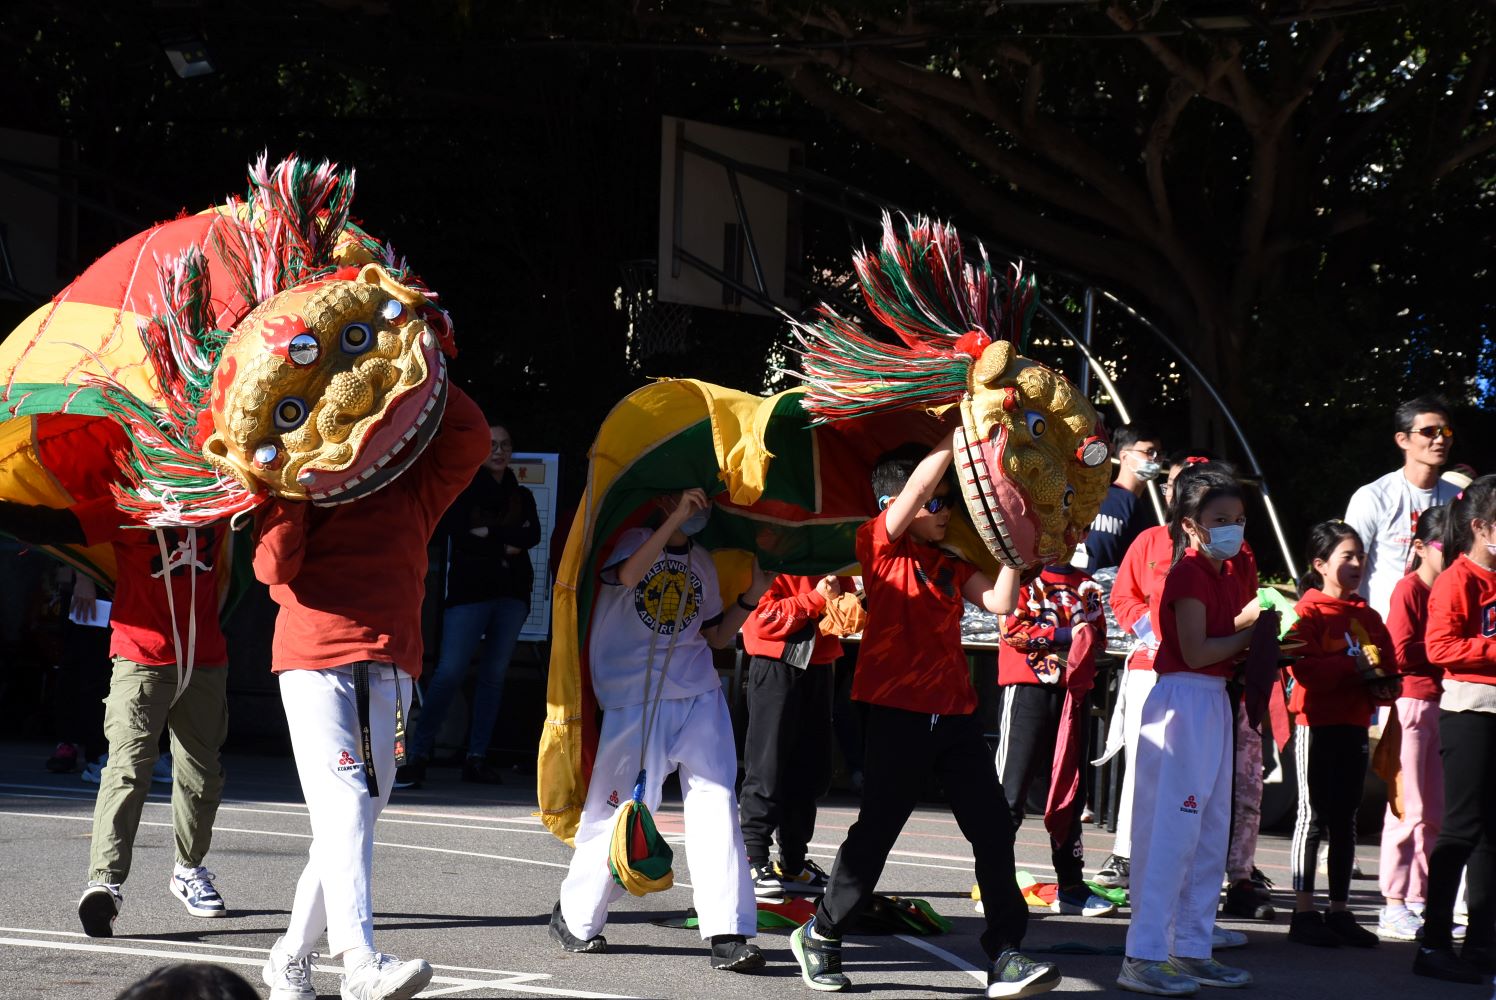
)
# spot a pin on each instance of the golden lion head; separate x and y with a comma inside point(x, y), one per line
point(329, 390)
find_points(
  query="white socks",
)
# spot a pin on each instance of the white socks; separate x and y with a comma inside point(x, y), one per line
point(354, 957)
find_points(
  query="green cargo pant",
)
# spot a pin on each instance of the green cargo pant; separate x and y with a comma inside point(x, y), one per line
point(138, 706)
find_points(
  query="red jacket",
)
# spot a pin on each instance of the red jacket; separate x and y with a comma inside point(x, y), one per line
point(1461, 632)
point(350, 579)
point(789, 605)
point(1406, 620)
point(1036, 636)
point(1328, 690)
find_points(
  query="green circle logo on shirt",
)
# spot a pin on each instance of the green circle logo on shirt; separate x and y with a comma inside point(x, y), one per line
point(658, 597)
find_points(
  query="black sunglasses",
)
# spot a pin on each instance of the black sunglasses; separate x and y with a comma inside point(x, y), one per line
point(937, 504)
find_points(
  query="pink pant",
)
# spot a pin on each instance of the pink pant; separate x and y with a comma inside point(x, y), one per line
point(1406, 842)
point(1246, 804)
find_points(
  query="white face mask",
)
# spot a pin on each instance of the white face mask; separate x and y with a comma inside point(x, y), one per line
point(695, 522)
point(1148, 470)
point(1225, 541)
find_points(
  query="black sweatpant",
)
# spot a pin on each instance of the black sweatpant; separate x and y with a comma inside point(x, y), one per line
point(1028, 722)
point(1468, 838)
point(903, 749)
point(786, 757)
point(1331, 766)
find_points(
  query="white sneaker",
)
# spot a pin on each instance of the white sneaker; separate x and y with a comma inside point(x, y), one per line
point(1091, 905)
point(194, 887)
point(99, 907)
point(289, 978)
point(385, 977)
point(1401, 926)
point(1209, 972)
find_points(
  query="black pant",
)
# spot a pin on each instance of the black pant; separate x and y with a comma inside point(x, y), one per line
point(82, 684)
point(786, 757)
point(1028, 722)
point(1331, 763)
point(1468, 837)
point(903, 748)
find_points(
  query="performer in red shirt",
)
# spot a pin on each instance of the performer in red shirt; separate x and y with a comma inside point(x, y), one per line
point(913, 673)
point(349, 580)
point(169, 672)
point(787, 750)
point(1461, 638)
point(1182, 807)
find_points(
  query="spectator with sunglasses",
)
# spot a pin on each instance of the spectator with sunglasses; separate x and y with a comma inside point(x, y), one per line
point(1124, 513)
point(1385, 511)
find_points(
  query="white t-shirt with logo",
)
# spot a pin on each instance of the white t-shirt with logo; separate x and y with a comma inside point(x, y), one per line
point(1382, 514)
point(624, 621)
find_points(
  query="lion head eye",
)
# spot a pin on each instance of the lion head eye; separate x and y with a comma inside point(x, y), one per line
point(1036, 423)
point(357, 338)
point(1068, 498)
point(304, 349)
point(290, 413)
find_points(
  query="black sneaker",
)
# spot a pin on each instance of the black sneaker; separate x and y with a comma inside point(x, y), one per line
point(480, 772)
point(1263, 884)
point(562, 935)
point(411, 774)
point(1114, 873)
point(1016, 975)
point(766, 881)
point(1342, 923)
point(810, 879)
point(1478, 958)
point(98, 907)
point(1308, 927)
point(819, 958)
point(1242, 900)
point(733, 953)
point(1443, 963)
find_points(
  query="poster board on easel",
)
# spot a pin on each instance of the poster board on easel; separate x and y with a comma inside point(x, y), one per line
point(539, 472)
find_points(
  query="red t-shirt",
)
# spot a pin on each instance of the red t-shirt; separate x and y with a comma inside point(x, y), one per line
point(1406, 619)
point(1461, 632)
point(911, 655)
point(789, 607)
point(140, 619)
point(350, 579)
point(1223, 593)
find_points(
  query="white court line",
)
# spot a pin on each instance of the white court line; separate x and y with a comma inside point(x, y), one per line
point(516, 982)
point(956, 960)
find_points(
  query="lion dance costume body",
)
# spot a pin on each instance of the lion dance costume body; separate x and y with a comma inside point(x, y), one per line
point(790, 473)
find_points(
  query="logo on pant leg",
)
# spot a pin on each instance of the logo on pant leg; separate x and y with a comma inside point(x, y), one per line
point(1189, 806)
point(613, 799)
point(346, 762)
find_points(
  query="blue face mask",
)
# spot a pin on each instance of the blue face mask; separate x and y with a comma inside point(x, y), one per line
point(695, 522)
point(1225, 541)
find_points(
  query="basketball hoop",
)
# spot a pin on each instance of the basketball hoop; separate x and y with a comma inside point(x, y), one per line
point(655, 327)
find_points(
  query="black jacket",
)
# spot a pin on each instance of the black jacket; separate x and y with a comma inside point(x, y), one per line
point(478, 569)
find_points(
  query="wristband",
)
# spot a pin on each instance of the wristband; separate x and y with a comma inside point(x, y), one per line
point(746, 607)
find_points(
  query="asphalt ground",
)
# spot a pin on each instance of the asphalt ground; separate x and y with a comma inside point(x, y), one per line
point(465, 877)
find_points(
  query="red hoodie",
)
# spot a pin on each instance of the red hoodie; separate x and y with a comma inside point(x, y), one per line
point(789, 605)
point(1406, 620)
point(1461, 633)
point(1328, 690)
point(1036, 636)
point(350, 579)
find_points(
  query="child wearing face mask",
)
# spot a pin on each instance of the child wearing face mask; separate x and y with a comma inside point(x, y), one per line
point(1207, 616)
point(1408, 836)
point(1345, 670)
point(655, 621)
point(1461, 638)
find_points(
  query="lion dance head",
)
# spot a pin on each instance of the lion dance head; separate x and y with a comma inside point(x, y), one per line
point(1031, 454)
point(327, 386)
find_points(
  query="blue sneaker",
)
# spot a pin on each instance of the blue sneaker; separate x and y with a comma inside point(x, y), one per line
point(194, 887)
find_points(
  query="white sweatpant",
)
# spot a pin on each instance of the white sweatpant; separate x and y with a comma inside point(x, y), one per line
point(334, 892)
point(694, 735)
point(1181, 817)
point(1135, 687)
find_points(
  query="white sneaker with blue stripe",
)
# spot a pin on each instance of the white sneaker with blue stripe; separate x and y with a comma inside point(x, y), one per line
point(194, 887)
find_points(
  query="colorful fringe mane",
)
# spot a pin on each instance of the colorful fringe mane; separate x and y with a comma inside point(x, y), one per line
point(943, 309)
point(281, 236)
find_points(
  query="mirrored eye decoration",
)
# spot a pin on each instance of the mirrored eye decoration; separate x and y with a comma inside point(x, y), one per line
point(290, 413)
point(392, 310)
point(357, 338)
point(304, 349)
